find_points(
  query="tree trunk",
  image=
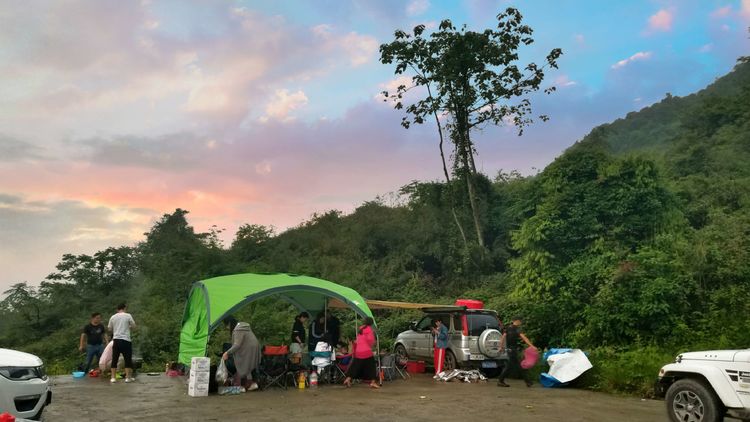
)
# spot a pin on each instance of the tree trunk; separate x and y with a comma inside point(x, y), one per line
point(447, 177)
point(463, 148)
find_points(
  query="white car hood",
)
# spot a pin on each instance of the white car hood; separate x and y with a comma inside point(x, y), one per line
point(742, 356)
point(717, 355)
point(15, 358)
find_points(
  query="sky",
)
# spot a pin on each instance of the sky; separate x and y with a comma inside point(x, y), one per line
point(113, 113)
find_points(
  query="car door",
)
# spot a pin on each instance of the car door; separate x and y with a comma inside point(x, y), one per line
point(423, 337)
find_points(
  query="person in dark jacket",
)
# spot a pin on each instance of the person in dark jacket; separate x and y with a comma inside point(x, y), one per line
point(514, 341)
point(334, 329)
point(317, 331)
point(298, 333)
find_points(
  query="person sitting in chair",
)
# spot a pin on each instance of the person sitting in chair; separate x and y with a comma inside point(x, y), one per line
point(323, 355)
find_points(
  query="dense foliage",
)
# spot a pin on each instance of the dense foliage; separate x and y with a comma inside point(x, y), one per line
point(634, 243)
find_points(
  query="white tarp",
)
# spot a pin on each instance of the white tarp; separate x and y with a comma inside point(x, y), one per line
point(566, 367)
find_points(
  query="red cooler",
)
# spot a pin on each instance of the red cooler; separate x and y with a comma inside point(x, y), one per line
point(470, 303)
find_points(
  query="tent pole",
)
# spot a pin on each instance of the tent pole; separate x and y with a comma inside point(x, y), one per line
point(380, 372)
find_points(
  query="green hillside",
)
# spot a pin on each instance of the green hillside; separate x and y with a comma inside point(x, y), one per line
point(633, 244)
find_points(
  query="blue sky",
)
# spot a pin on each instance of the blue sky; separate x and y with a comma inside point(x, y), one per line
point(113, 112)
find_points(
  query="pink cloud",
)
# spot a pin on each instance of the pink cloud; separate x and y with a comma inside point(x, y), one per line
point(641, 55)
point(661, 21)
point(282, 103)
point(745, 10)
point(722, 12)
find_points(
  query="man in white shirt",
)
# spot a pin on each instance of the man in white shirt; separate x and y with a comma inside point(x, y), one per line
point(120, 325)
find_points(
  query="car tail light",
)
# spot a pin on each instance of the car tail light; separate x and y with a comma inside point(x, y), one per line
point(465, 325)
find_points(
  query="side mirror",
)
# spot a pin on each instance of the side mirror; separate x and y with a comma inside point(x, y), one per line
point(413, 325)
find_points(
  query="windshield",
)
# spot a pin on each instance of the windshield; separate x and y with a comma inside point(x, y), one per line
point(479, 322)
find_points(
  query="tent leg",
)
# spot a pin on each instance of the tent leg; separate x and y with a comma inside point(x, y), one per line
point(380, 372)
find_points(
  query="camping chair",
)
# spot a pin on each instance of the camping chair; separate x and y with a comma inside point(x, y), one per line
point(389, 367)
point(400, 366)
point(274, 366)
point(328, 370)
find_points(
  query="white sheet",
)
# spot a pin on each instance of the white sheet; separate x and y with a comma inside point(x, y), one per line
point(566, 367)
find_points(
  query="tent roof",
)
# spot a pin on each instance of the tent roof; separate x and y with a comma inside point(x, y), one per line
point(228, 293)
point(211, 300)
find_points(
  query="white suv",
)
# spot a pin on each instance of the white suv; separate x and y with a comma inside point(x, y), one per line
point(24, 385)
point(706, 386)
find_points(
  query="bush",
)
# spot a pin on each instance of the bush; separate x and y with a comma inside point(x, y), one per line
point(627, 371)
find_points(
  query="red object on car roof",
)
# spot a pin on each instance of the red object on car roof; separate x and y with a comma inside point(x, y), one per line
point(470, 303)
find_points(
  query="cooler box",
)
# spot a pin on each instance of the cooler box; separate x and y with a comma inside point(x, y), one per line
point(470, 303)
point(415, 367)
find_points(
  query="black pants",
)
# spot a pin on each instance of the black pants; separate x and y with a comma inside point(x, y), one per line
point(126, 348)
point(514, 363)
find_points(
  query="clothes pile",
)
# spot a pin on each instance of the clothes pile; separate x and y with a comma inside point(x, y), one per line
point(461, 375)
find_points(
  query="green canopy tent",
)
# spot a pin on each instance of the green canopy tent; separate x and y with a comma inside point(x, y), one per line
point(212, 300)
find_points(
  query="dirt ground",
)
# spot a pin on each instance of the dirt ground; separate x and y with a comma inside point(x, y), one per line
point(417, 399)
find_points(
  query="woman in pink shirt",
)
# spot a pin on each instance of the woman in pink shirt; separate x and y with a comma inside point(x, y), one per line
point(363, 366)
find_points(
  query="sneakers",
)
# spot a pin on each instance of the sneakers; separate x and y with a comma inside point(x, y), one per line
point(129, 380)
point(253, 387)
point(502, 384)
point(112, 380)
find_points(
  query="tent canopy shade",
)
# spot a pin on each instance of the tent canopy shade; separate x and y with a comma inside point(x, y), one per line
point(385, 304)
point(212, 300)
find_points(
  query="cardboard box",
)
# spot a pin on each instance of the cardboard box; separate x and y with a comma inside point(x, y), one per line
point(198, 390)
point(200, 364)
point(199, 377)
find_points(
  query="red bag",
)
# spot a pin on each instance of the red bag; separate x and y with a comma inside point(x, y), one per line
point(530, 357)
point(276, 350)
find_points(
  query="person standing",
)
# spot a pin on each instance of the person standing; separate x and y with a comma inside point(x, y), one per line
point(440, 331)
point(298, 336)
point(514, 340)
point(317, 330)
point(94, 335)
point(120, 325)
point(334, 329)
point(363, 366)
point(245, 351)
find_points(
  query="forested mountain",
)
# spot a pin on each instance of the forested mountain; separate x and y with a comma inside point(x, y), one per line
point(634, 243)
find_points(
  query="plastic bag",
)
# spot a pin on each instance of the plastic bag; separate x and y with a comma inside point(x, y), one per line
point(221, 373)
point(530, 357)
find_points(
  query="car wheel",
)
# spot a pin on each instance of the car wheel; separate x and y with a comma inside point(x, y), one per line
point(690, 400)
point(400, 351)
point(450, 361)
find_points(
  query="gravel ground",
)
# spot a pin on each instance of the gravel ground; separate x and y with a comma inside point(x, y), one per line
point(417, 399)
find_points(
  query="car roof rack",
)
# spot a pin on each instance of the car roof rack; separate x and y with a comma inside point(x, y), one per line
point(433, 309)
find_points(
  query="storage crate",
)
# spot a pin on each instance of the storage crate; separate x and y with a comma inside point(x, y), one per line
point(415, 366)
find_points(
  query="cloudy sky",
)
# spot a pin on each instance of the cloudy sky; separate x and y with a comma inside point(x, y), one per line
point(113, 113)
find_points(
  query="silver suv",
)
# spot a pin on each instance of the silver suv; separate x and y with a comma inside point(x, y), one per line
point(474, 338)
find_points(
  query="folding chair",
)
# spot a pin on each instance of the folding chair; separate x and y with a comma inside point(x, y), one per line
point(400, 366)
point(274, 367)
point(387, 368)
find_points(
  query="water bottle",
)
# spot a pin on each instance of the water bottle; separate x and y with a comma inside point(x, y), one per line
point(301, 380)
